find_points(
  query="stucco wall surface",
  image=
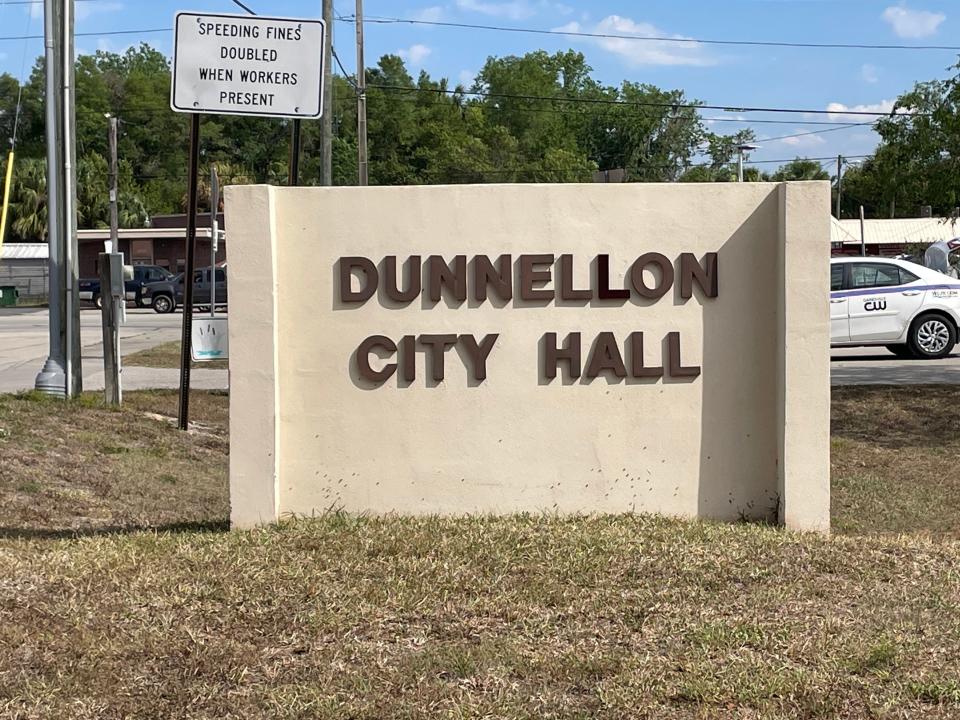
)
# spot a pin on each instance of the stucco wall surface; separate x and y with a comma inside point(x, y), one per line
point(310, 434)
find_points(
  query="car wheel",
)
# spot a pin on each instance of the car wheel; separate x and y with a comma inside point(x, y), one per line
point(163, 304)
point(98, 301)
point(901, 351)
point(932, 337)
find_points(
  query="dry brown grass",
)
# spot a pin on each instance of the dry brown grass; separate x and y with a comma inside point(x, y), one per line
point(167, 355)
point(78, 466)
point(518, 617)
point(896, 460)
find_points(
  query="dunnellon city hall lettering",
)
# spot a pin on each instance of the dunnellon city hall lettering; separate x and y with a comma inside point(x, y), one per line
point(651, 276)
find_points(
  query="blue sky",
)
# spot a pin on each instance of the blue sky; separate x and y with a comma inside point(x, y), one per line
point(737, 76)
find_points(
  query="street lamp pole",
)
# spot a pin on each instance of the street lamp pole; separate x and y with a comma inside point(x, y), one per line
point(741, 149)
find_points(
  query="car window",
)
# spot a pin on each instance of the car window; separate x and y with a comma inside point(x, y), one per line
point(221, 275)
point(836, 277)
point(198, 276)
point(907, 277)
point(870, 275)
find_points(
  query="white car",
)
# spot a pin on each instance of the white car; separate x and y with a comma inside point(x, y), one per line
point(911, 310)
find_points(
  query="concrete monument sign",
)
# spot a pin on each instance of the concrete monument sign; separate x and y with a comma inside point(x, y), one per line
point(562, 348)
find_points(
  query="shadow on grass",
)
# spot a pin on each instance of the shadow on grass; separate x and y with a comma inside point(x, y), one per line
point(896, 417)
point(211, 526)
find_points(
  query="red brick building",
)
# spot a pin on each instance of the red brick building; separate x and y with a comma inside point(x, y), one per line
point(163, 244)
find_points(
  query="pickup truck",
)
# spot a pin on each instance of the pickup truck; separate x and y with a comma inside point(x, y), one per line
point(165, 296)
point(142, 274)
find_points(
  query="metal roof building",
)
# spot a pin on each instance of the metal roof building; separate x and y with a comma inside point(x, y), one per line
point(24, 265)
point(890, 237)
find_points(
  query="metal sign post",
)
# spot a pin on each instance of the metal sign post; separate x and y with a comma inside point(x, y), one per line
point(238, 65)
point(184, 413)
point(214, 235)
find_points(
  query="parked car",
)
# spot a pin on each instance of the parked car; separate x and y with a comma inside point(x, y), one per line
point(167, 295)
point(142, 274)
point(911, 310)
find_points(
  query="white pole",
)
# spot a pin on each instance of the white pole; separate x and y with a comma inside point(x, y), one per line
point(51, 378)
point(73, 361)
point(214, 236)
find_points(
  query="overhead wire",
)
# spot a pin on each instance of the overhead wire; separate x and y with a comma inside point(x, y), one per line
point(240, 4)
point(648, 38)
point(835, 125)
point(145, 31)
point(631, 103)
point(20, 84)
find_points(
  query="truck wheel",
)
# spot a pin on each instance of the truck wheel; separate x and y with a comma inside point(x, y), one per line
point(98, 301)
point(163, 304)
point(932, 337)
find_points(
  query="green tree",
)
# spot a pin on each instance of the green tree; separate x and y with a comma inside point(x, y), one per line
point(918, 160)
point(28, 202)
point(801, 169)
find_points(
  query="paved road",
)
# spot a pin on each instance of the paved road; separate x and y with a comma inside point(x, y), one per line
point(878, 366)
point(24, 342)
point(23, 347)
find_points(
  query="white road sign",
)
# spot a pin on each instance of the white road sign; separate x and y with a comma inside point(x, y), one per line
point(246, 65)
point(210, 339)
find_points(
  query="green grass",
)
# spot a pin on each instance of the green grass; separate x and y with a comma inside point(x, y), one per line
point(121, 594)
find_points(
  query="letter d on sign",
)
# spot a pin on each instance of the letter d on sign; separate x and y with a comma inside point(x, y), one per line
point(368, 286)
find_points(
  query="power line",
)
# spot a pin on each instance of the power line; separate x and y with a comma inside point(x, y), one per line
point(91, 34)
point(240, 4)
point(651, 38)
point(346, 75)
point(814, 132)
point(20, 83)
point(629, 103)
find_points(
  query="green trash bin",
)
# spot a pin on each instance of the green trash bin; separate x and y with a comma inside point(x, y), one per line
point(8, 295)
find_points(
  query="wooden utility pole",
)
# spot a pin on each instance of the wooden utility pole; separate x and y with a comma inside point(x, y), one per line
point(114, 190)
point(111, 273)
point(839, 183)
point(361, 102)
point(326, 122)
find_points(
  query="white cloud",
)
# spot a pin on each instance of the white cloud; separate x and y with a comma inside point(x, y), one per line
point(514, 9)
point(803, 140)
point(467, 77)
point(841, 111)
point(434, 13)
point(869, 73)
point(908, 23)
point(415, 54)
point(641, 52)
point(82, 10)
